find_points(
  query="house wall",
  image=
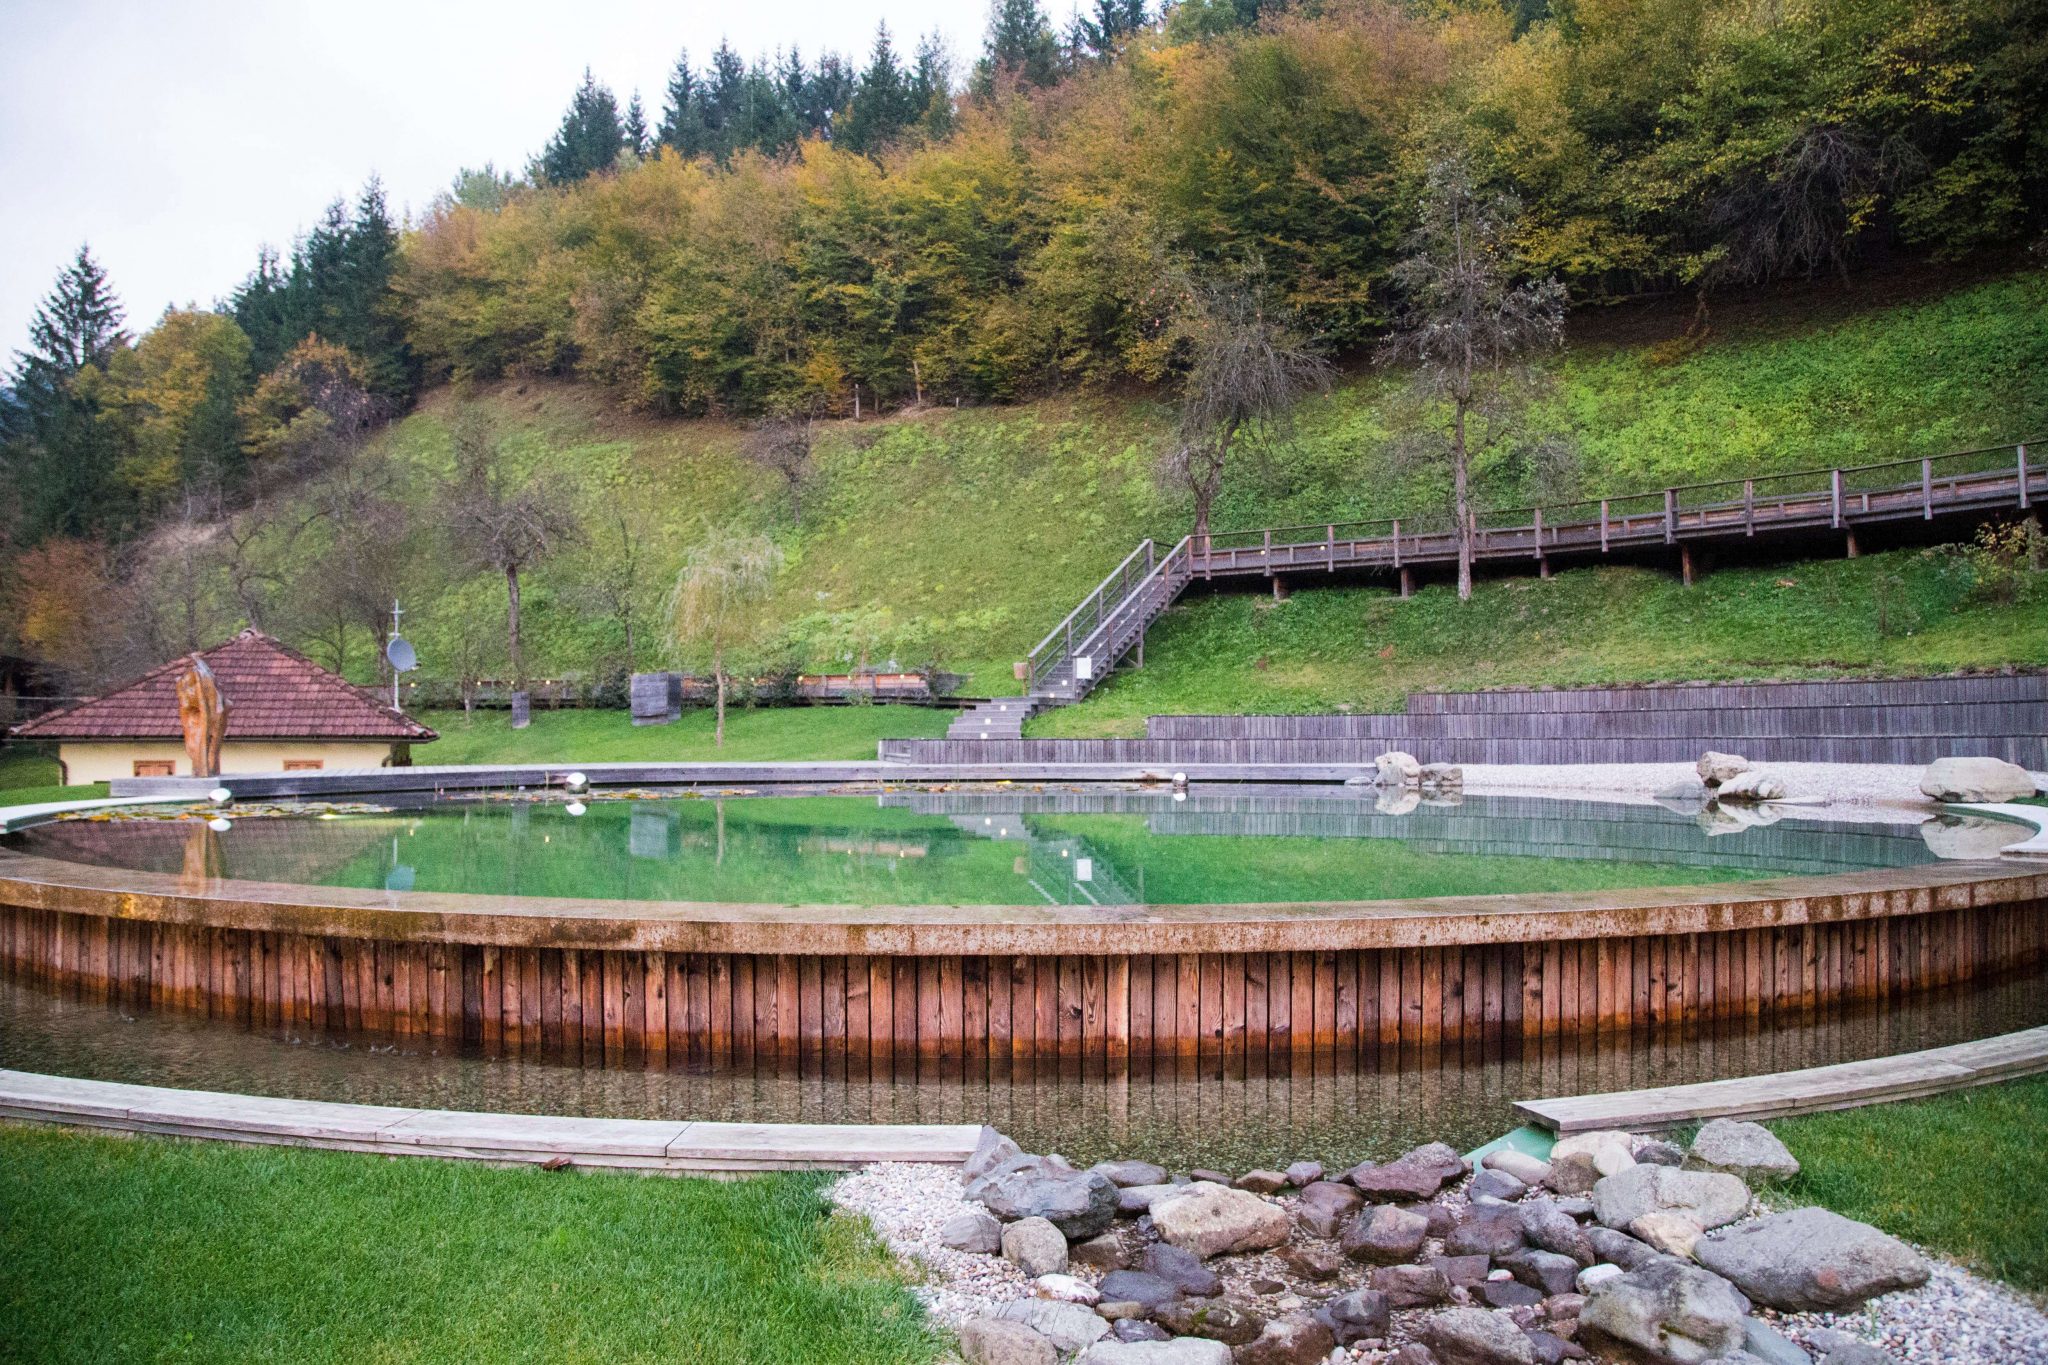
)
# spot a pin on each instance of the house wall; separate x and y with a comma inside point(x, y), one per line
point(104, 760)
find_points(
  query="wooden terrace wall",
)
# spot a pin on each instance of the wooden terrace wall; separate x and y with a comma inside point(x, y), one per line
point(966, 1015)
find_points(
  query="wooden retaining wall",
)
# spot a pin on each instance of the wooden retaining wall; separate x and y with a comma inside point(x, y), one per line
point(974, 1016)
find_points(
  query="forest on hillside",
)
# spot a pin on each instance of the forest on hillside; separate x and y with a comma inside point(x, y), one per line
point(788, 240)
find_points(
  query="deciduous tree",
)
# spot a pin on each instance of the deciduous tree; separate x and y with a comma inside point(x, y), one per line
point(715, 607)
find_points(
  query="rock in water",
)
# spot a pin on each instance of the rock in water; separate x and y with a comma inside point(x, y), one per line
point(1179, 1351)
point(1665, 1313)
point(1398, 769)
point(1716, 768)
point(1358, 1316)
point(1068, 1326)
point(1035, 1247)
point(998, 1341)
point(1414, 1175)
point(1975, 779)
point(1384, 1235)
point(1290, 1339)
point(1211, 1220)
point(1811, 1260)
point(1708, 1198)
point(1080, 1204)
point(972, 1230)
point(1473, 1336)
point(1326, 1206)
point(1748, 1151)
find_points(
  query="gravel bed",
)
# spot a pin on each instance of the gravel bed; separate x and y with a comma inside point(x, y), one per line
point(1955, 1317)
point(907, 1202)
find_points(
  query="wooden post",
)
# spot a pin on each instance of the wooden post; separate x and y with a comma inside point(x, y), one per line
point(1854, 548)
point(1407, 583)
point(2023, 476)
point(1538, 524)
point(1542, 566)
point(1670, 516)
point(1685, 565)
point(1835, 494)
point(1926, 490)
point(1603, 526)
point(1397, 545)
point(1279, 588)
point(1749, 507)
point(1330, 547)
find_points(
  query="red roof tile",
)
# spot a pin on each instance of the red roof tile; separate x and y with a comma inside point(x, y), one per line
point(272, 693)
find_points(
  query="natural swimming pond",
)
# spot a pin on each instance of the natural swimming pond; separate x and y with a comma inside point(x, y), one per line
point(1006, 846)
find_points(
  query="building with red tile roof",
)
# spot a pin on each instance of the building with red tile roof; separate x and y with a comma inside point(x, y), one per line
point(285, 713)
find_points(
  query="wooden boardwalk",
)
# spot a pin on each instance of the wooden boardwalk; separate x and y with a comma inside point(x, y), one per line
point(660, 1146)
point(1804, 509)
point(1843, 1086)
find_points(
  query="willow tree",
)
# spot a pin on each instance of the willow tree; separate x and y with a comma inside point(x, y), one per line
point(1467, 321)
point(715, 607)
point(1248, 365)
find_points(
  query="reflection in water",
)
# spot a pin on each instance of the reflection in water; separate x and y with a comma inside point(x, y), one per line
point(1006, 846)
point(1180, 1114)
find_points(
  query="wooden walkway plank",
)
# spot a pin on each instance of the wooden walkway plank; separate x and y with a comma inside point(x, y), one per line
point(655, 1145)
point(1844, 1085)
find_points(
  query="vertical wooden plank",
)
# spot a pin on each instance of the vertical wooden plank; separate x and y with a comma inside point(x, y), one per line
point(1325, 1038)
point(859, 1018)
point(788, 1018)
point(1141, 1005)
point(1023, 1016)
point(1279, 1009)
point(1094, 1024)
point(930, 1016)
point(1451, 1001)
point(1346, 1004)
point(1231, 968)
point(810, 1007)
point(904, 972)
point(1116, 1007)
point(1301, 1014)
point(1209, 1045)
point(1258, 1018)
point(1187, 1028)
point(721, 1010)
point(974, 994)
point(590, 989)
point(1045, 1009)
point(1431, 1015)
point(769, 1024)
point(832, 1014)
point(881, 1017)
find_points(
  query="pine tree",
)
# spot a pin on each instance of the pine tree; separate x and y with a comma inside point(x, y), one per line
point(1020, 45)
point(589, 139)
point(883, 103)
point(366, 318)
point(826, 95)
point(635, 126)
point(1100, 35)
point(766, 122)
point(724, 103)
point(682, 119)
point(59, 455)
point(931, 87)
point(260, 308)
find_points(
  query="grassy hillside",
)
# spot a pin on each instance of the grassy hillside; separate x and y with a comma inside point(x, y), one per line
point(970, 533)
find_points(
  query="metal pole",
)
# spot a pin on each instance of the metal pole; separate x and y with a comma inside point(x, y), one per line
point(1538, 523)
point(1835, 492)
point(1749, 507)
point(1670, 515)
point(2023, 476)
point(1603, 526)
point(1926, 490)
point(1397, 542)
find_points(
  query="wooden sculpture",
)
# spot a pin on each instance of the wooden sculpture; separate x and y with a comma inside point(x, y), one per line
point(203, 713)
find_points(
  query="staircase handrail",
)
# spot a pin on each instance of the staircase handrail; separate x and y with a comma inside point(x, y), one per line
point(1041, 659)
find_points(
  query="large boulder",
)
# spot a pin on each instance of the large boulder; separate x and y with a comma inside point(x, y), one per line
point(1544, 1270)
point(1414, 1175)
point(1178, 1351)
point(1473, 1336)
point(1290, 1339)
point(1546, 1225)
point(1579, 1161)
point(1707, 1197)
point(1212, 1220)
point(1748, 1151)
point(1035, 1247)
point(1715, 768)
point(1486, 1230)
point(1068, 1326)
point(1620, 1248)
point(1751, 786)
point(1811, 1260)
point(1216, 1319)
point(991, 1150)
point(972, 1230)
point(1326, 1207)
point(1360, 1315)
point(1664, 1313)
point(1384, 1235)
point(999, 1341)
point(1132, 1200)
point(1975, 779)
point(1182, 1269)
point(1138, 1286)
point(1396, 768)
point(1079, 1203)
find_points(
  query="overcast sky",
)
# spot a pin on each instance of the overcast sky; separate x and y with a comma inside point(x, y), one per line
point(178, 136)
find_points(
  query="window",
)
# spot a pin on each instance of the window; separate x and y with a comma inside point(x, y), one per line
point(155, 767)
point(303, 765)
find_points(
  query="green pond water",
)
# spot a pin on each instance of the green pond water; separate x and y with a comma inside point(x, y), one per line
point(1002, 847)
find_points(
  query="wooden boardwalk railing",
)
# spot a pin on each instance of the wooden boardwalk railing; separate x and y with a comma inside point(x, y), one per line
point(1111, 622)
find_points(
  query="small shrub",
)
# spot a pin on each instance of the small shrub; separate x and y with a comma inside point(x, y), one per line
point(2000, 558)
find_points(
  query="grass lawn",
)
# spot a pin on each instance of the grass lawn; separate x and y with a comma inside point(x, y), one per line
point(151, 1249)
point(1960, 1173)
point(28, 775)
point(770, 733)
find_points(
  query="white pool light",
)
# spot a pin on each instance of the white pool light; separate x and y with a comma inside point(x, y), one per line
point(575, 808)
point(220, 796)
point(576, 782)
point(220, 824)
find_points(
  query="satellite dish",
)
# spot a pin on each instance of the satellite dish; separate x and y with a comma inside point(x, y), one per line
point(401, 654)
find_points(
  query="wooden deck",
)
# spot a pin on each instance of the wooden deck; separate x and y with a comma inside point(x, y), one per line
point(1804, 508)
point(1843, 1086)
point(659, 1146)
